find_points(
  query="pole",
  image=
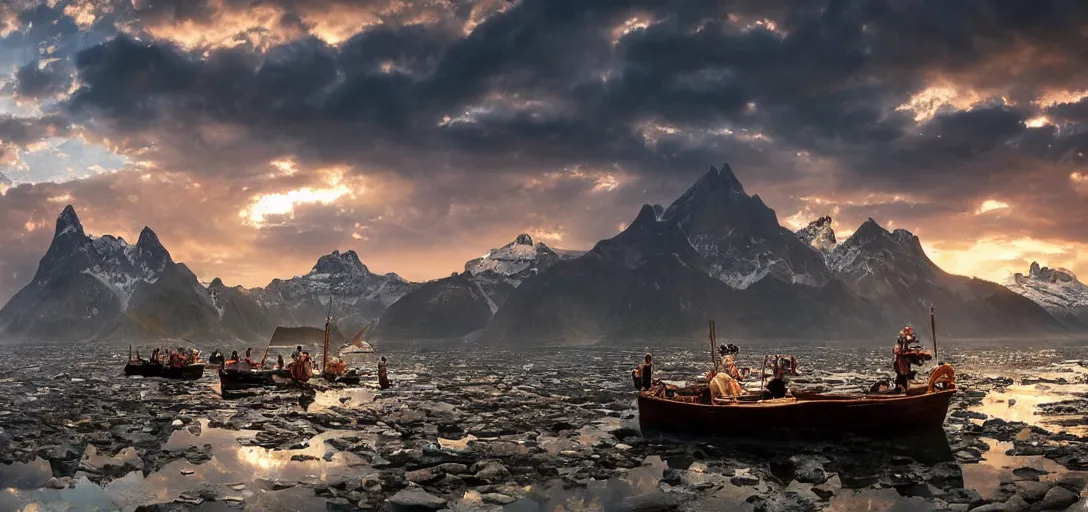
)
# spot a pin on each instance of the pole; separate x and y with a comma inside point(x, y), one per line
point(933, 330)
point(325, 348)
point(713, 339)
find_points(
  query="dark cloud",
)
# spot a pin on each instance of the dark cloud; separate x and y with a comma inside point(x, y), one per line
point(16, 133)
point(42, 81)
point(509, 115)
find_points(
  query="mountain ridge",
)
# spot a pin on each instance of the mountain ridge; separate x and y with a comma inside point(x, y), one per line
point(713, 253)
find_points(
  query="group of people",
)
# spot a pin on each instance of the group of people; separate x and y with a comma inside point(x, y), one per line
point(170, 357)
point(300, 362)
point(725, 383)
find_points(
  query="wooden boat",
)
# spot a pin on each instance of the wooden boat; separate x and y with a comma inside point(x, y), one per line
point(335, 371)
point(152, 369)
point(216, 360)
point(816, 413)
point(667, 408)
point(147, 368)
point(358, 344)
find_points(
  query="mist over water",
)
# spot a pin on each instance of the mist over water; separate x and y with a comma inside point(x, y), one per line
point(560, 422)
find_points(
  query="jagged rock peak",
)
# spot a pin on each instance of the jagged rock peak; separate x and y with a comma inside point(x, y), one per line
point(723, 179)
point(869, 228)
point(217, 283)
point(1050, 275)
point(68, 222)
point(523, 239)
point(819, 234)
point(648, 213)
point(338, 262)
point(149, 242)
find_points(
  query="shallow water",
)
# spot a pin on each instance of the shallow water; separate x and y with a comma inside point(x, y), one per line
point(145, 438)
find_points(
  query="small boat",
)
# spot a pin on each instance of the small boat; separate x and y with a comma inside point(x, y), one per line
point(216, 360)
point(233, 377)
point(688, 410)
point(153, 369)
point(335, 371)
point(148, 368)
point(358, 344)
point(668, 408)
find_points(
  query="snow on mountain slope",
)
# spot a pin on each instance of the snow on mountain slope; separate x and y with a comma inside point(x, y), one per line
point(739, 235)
point(1055, 289)
point(359, 295)
point(514, 258)
point(100, 286)
point(818, 234)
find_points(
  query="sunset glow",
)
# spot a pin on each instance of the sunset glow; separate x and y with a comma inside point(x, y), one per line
point(422, 134)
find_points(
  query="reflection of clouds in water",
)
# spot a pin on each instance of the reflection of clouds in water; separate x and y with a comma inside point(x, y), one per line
point(884, 500)
point(996, 467)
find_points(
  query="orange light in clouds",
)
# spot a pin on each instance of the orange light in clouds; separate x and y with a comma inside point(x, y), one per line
point(990, 205)
point(1080, 181)
point(928, 103)
point(283, 203)
point(1037, 122)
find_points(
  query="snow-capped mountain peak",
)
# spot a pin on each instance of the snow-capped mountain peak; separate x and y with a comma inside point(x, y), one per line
point(513, 258)
point(1055, 289)
point(739, 236)
point(338, 263)
point(818, 234)
point(68, 222)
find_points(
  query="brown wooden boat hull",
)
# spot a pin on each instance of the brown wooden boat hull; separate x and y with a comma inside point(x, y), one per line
point(826, 416)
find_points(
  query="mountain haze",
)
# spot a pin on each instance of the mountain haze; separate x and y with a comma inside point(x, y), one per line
point(714, 253)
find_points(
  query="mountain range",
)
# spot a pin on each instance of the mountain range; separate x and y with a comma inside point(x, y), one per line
point(1057, 290)
point(714, 253)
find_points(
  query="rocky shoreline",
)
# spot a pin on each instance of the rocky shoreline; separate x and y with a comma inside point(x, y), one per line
point(482, 440)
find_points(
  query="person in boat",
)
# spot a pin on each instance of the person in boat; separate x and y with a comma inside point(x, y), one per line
point(297, 353)
point(781, 367)
point(249, 360)
point(383, 373)
point(907, 356)
point(233, 361)
point(643, 373)
point(725, 383)
point(279, 362)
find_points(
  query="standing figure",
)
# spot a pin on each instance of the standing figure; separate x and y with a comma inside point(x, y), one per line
point(907, 356)
point(383, 373)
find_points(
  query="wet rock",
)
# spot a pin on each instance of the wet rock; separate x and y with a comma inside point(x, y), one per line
point(963, 496)
point(1028, 473)
point(1057, 498)
point(495, 498)
point(490, 472)
point(744, 480)
point(655, 501)
point(411, 500)
point(1016, 504)
point(424, 475)
point(1032, 491)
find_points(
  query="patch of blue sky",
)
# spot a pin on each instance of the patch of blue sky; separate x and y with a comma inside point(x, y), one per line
point(63, 159)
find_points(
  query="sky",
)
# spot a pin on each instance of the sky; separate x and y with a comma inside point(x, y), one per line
point(255, 136)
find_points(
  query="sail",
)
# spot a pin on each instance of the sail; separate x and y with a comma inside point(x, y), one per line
point(361, 335)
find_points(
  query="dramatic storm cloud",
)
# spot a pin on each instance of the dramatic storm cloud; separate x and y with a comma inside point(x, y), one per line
point(255, 136)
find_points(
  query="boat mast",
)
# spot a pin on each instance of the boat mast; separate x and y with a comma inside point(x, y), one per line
point(933, 330)
point(325, 346)
point(713, 341)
